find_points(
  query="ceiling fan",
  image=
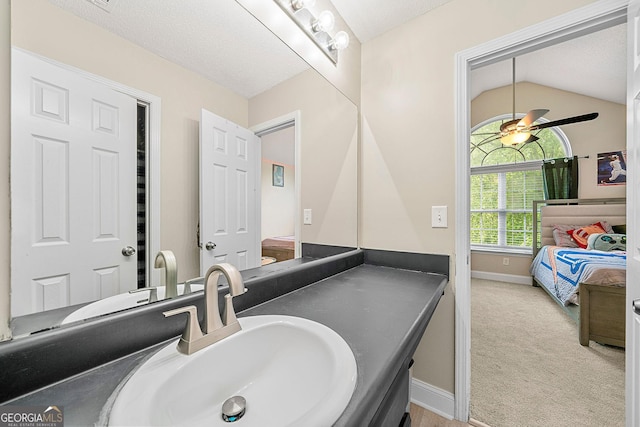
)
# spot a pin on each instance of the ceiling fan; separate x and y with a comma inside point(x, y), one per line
point(518, 131)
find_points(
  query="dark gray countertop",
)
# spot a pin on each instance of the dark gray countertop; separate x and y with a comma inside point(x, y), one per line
point(380, 312)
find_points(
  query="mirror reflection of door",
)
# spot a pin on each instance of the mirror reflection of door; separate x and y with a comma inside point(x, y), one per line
point(278, 195)
point(74, 197)
point(229, 217)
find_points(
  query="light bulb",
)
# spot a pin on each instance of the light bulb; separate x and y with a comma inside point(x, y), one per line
point(340, 41)
point(324, 22)
point(299, 4)
point(515, 138)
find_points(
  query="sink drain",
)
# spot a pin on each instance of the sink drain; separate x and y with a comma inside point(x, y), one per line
point(233, 408)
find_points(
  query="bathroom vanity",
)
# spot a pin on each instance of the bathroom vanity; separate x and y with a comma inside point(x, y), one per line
point(379, 302)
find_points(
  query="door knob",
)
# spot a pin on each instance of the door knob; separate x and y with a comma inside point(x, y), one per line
point(128, 251)
point(636, 306)
point(210, 246)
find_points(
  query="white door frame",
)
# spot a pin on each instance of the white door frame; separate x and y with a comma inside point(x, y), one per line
point(153, 154)
point(632, 374)
point(294, 117)
point(585, 20)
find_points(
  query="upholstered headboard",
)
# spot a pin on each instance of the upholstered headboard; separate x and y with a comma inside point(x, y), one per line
point(547, 213)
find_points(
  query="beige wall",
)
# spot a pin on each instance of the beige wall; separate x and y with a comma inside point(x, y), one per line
point(278, 203)
point(408, 146)
point(604, 134)
point(487, 262)
point(328, 153)
point(47, 30)
point(5, 144)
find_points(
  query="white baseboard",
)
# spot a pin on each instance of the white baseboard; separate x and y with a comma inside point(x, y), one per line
point(499, 277)
point(433, 398)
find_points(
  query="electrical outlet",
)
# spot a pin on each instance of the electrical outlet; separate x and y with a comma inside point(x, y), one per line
point(505, 261)
point(438, 217)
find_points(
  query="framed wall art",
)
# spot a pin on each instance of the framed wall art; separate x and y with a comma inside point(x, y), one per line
point(612, 168)
point(277, 174)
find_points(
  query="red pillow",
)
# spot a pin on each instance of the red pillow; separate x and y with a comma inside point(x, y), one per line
point(581, 235)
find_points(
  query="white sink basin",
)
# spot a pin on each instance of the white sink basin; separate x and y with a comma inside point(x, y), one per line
point(291, 371)
point(120, 302)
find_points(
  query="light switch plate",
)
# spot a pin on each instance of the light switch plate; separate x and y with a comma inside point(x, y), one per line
point(307, 217)
point(438, 216)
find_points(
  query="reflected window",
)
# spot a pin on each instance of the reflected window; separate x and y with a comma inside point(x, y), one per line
point(505, 180)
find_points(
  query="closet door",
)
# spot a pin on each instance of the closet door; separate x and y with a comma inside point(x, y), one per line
point(73, 183)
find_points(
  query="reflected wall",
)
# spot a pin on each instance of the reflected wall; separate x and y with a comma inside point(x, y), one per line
point(329, 135)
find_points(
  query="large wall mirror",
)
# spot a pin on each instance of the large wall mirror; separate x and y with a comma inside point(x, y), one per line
point(185, 57)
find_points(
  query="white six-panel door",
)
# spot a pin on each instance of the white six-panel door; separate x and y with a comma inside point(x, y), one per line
point(633, 218)
point(73, 184)
point(229, 200)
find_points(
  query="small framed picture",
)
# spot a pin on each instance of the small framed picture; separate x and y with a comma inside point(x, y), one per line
point(612, 168)
point(277, 173)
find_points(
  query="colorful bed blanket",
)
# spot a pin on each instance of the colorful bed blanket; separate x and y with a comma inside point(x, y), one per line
point(561, 269)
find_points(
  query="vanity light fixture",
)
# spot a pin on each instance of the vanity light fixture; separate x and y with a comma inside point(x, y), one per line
point(299, 4)
point(316, 28)
point(325, 22)
point(340, 41)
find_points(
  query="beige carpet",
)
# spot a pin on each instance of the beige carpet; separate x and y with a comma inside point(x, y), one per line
point(528, 368)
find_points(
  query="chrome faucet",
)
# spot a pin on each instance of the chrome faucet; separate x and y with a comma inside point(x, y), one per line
point(193, 338)
point(167, 260)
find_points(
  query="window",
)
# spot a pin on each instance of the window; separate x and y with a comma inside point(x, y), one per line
point(505, 181)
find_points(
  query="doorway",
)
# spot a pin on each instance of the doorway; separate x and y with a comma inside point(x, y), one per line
point(278, 186)
point(280, 194)
point(574, 24)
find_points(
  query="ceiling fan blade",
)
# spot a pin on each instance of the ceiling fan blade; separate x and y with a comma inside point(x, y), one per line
point(567, 121)
point(531, 117)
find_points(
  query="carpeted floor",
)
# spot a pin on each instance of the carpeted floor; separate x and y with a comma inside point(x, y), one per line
point(528, 368)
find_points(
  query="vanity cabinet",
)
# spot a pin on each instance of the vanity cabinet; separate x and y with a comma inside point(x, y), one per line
point(394, 408)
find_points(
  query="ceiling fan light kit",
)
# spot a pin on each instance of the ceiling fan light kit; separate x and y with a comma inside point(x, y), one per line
point(516, 137)
point(518, 131)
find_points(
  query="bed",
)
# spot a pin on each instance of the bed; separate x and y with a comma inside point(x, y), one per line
point(281, 248)
point(588, 283)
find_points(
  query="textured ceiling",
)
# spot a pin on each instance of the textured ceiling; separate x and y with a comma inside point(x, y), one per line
point(215, 38)
point(370, 18)
point(223, 42)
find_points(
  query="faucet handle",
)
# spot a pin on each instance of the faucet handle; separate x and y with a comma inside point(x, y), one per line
point(153, 292)
point(229, 314)
point(192, 332)
point(187, 285)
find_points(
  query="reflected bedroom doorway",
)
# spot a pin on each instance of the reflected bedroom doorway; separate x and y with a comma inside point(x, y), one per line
point(278, 194)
